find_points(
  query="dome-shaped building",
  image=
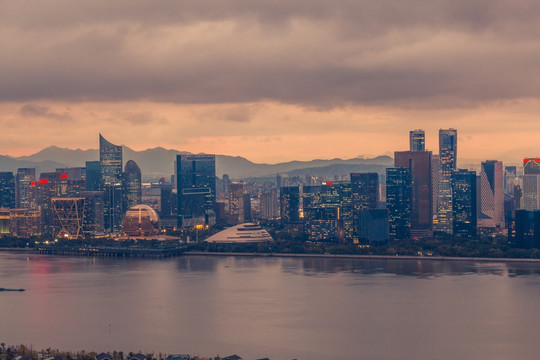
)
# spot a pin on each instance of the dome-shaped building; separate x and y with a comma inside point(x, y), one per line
point(141, 220)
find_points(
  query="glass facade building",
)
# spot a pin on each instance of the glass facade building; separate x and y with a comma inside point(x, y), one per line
point(448, 163)
point(464, 202)
point(196, 184)
point(398, 202)
point(110, 159)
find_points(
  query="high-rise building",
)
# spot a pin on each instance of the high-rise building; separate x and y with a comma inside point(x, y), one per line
point(510, 179)
point(132, 185)
point(464, 202)
point(113, 204)
point(448, 163)
point(93, 176)
point(7, 190)
point(527, 229)
point(110, 159)
point(417, 140)
point(94, 213)
point(328, 214)
point(269, 204)
point(365, 195)
point(398, 202)
point(435, 170)
point(196, 184)
point(236, 203)
point(491, 195)
point(419, 165)
point(373, 226)
point(289, 199)
point(24, 178)
point(68, 217)
point(247, 207)
point(531, 184)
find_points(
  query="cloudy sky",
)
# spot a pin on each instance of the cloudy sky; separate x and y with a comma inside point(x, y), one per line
point(271, 80)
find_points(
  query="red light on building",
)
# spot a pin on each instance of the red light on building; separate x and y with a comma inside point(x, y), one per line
point(63, 176)
point(537, 160)
point(525, 160)
point(328, 183)
point(33, 183)
point(43, 181)
point(163, 178)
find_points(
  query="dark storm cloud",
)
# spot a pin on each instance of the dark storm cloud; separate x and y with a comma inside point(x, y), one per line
point(315, 53)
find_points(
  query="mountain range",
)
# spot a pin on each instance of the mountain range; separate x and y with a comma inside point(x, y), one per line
point(158, 162)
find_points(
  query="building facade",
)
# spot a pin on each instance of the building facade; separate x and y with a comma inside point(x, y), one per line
point(448, 164)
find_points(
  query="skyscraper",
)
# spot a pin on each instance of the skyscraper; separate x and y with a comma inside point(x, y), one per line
point(419, 165)
point(398, 202)
point(110, 159)
point(531, 184)
point(236, 203)
point(24, 178)
point(196, 184)
point(289, 200)
point(417, 140)
point(93, 175)
point(448, 163)
point(464, 202)
point(491, 195)
point(7, 190)
point(132, 184)
point(365, 194)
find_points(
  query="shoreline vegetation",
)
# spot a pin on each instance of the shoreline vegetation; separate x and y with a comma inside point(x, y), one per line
point(23, 352)
point(286, 244)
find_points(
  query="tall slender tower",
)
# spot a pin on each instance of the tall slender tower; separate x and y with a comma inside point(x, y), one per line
point(110, 159)
point(23, 179)
point(448, 163)
point(417, 140)
point(491, 195)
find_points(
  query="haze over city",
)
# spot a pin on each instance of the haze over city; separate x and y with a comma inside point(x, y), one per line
point(271, 81)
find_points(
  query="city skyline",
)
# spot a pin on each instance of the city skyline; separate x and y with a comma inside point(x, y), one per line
point(305, 79)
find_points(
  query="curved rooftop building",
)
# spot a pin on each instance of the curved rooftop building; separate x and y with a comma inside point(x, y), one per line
point(110, 159)
point(141, 220)
point(241, 234)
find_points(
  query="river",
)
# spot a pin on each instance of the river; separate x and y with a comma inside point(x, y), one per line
point(281, 308)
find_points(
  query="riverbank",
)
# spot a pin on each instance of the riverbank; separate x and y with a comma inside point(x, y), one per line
point(364, 257)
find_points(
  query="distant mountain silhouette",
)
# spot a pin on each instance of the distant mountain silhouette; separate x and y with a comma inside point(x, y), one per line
point(158, 162)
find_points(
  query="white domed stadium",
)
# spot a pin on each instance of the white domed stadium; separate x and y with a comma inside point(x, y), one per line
point(241, 234)
point(141, 220)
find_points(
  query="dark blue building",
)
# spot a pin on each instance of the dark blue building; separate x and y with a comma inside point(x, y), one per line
point(196, 184)
point(398, 202)
point(464, 206)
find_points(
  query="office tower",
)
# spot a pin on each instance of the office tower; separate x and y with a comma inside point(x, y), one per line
point(132, 185)
point(398, 202)
point(23, 179)
point(24, 223)
point(365, 194)
point(531, 184)
point(110, 160)
point(7, 190)
point(328, 214)
point(464, 203)
point(5, 219)
point(236, 203)
point(417, 140)
point(373, 226)
point(269, 204)
point(48, 187)
point(68, 217)
point(166, 200)
point(196, 184)
point(247, 207)
point(527, 229)
point(290, 203)
point(531, 192)
point(94, 214)
point(113, 201)
point(419, 165)
point(435, 169)
point(73, 173)
point(491, 195)
point(93, 175)
point(448, 162)
point(510, 179)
